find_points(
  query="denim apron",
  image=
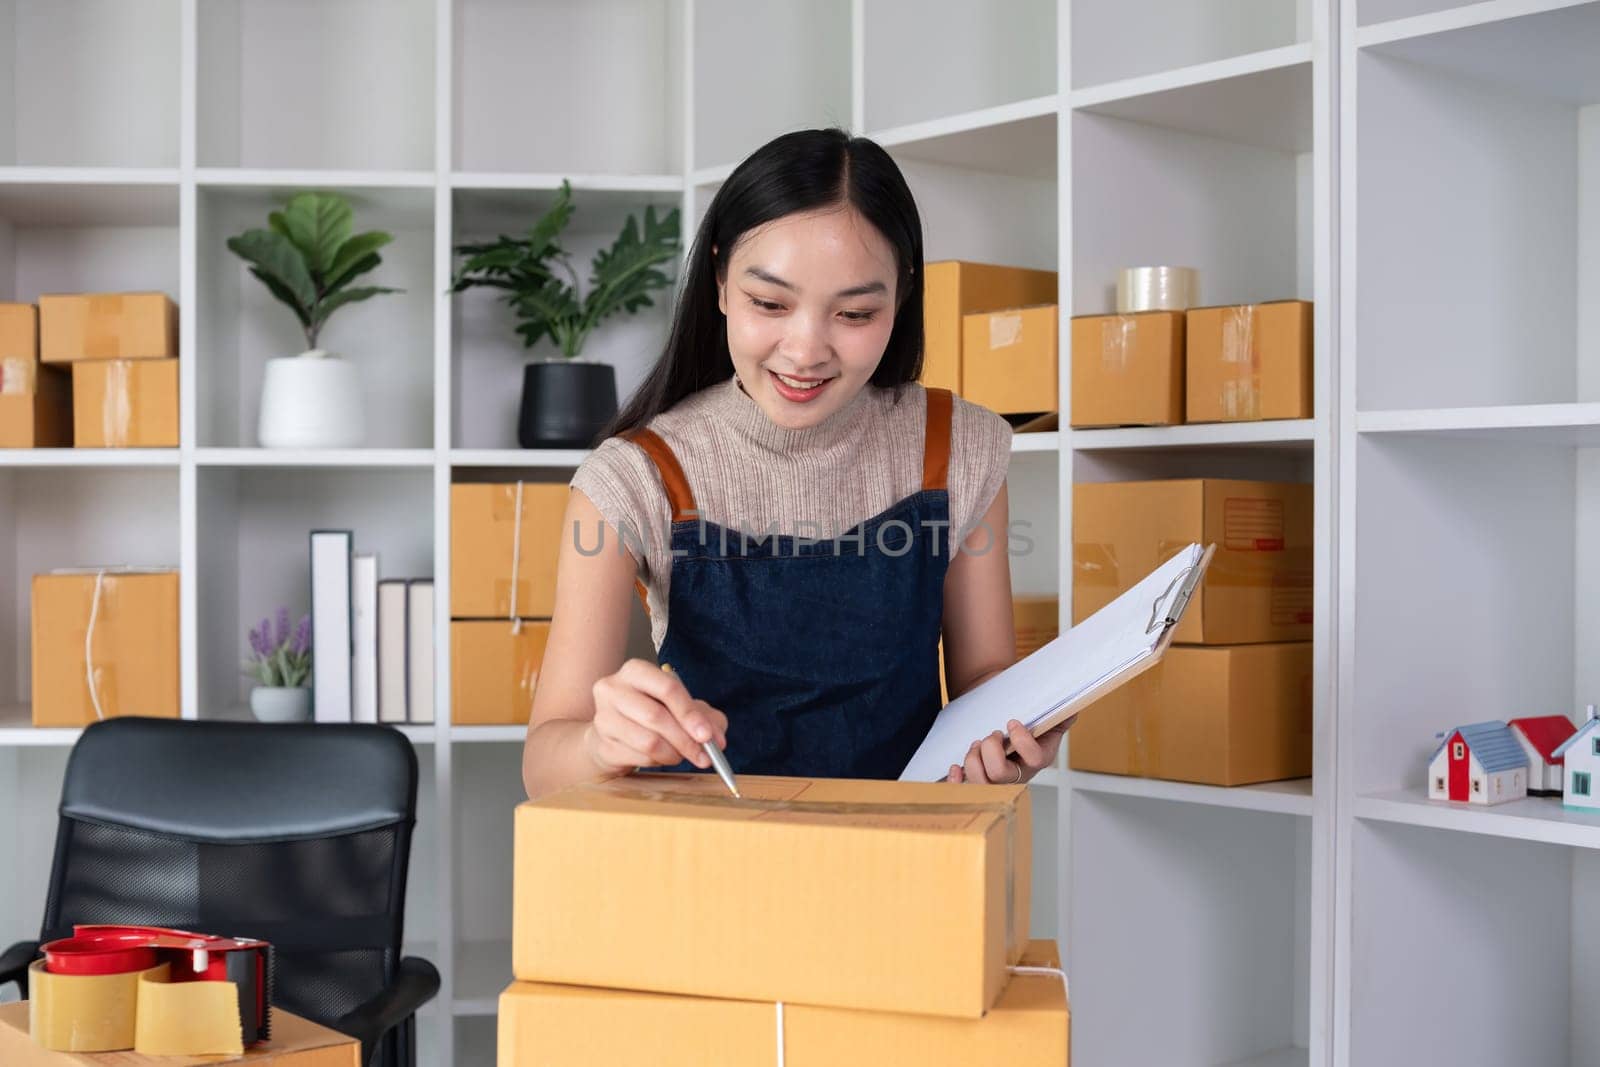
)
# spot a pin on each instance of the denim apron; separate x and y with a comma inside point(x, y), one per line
point(822, 653)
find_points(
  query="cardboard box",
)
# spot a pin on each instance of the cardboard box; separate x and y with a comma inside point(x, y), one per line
point(19, 332)
point(1035, 621)
point(1008, 359)
point(76, 326)
point(571, 1026)
point(35, 405)
point(1127, 370)
point(889, 896)
point(483, 546)
point(125, 403)
point(953, 288)
point(1249, 361)
point(1258, 587)
point(296, 1042)
point(1228, 715)
point(134, 649)
point(494, 670)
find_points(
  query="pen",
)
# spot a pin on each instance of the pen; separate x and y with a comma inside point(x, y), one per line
point(718, 760)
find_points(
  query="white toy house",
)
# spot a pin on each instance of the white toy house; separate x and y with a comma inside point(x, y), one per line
point(1581, 754)
point(1541, 736)
point(1481, 764)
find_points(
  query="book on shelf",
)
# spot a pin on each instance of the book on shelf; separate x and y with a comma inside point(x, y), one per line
point(331, 675)
point(364, 612)
point(419, 650)
point(392, 650)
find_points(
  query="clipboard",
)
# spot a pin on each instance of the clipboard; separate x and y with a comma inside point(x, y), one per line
point(1055, 682)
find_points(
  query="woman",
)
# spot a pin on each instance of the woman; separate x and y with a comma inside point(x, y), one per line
point(785, 496)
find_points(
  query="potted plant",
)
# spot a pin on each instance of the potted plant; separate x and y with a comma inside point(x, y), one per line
point(307, 259)
point(567, 401)
point(280, 660)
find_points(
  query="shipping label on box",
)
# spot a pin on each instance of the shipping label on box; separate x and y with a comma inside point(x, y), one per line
point(1127, 370)
point(122, 403)
point(1249, 361)
point(495, 669)
point(1008, 359)
point(1258, 587)
point(90, 326)
point(953, 288)
point(891, 896)
point(572, 1026)
point(132, 662)
point(1219, 715)
point(505, 541)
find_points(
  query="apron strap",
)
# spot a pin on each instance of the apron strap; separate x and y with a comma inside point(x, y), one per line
point(936, 440)
point(677, 486)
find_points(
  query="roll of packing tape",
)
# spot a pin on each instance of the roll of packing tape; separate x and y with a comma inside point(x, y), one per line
point(1156, 289)
point(83, 1012)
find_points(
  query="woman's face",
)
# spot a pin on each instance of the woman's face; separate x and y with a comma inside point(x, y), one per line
point(809, 298)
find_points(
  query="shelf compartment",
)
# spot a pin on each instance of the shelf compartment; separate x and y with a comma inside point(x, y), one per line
point(1199, 909)
point(1291, 797)
point(90, 83)
point(389, 337)
point(1017, 139)
point(1116, 40)
point(316, 86)
point(1292, 434)
point(627, 60)
point(488, 355)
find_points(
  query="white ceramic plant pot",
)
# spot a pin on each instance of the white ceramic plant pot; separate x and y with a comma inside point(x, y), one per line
point(312, 400)
point(278, 703)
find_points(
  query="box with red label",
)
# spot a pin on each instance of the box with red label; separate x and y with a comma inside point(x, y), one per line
point(1229, 715)
point(1258, 586)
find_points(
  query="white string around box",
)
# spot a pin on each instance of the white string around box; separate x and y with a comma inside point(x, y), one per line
point(1027, 969)
point(94, 614)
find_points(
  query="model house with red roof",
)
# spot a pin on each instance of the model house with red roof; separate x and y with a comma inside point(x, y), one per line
point(1482, 763)
point(1540, 736)
point(1581, 762)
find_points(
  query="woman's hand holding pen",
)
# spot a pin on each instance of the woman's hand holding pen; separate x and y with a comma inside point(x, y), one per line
point(644, 717)
point(988, 764)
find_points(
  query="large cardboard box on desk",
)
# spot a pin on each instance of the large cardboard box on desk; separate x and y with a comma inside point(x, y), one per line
point(80, 326)
point(889, 896)
point(125, 403)
point(1249, 361)
point(543, 1025)
point(1008, 359)
point(1127, 370)
point(132, 656)
point(1229, 715)
point(35, 400)
point(494, 530)
point(1258, 587)
point(296, 1042)
point(494, 670)
point(952, 288)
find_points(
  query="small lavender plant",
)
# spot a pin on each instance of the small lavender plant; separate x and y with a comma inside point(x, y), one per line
point(280, 657)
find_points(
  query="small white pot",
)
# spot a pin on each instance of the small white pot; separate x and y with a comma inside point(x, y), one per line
point(312, 400)
point(279, 703)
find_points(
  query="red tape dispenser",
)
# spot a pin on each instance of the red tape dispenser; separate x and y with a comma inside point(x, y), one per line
point(118, 987)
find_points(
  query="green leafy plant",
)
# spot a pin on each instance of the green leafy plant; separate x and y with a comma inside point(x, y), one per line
point(308, 258)
point(525, 267)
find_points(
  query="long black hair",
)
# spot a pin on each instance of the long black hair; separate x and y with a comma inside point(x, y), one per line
point(806, 170)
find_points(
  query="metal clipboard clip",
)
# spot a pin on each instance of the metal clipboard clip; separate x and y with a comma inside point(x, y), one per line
point(1185, 583)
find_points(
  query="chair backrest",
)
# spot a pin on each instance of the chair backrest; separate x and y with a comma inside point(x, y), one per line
point(298, 834)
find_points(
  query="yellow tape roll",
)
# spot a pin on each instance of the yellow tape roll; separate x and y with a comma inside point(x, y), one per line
point(83, 1013)
point(187, 1018)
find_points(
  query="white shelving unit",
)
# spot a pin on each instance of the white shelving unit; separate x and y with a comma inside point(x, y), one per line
point(1455, 265)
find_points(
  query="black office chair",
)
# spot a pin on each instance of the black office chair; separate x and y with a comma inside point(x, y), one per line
point(298, 834)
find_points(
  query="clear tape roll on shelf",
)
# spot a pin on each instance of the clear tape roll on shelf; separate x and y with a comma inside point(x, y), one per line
point(1156, 289)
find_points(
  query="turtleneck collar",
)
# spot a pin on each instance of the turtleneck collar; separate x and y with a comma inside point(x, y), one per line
point(741, 411)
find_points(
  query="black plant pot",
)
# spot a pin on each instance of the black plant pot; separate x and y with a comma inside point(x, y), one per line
point(566, 404)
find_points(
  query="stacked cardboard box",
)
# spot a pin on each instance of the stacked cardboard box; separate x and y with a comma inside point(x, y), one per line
point(105, 643)
point(658, 919)
point(1230, 703)
point(1127, 370)
point(990, 334)
point(121, 351)
point(505, 540)
point(1034, 620)
point(35, 399)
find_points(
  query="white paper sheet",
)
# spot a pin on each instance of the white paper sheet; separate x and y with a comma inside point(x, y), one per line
point(1108, 643)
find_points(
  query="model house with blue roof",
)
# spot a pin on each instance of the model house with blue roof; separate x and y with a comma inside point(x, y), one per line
point(1580, 757)
point(1483, 763)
